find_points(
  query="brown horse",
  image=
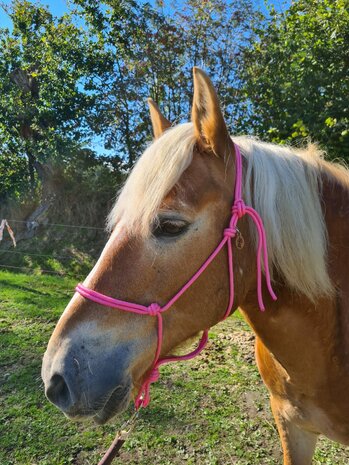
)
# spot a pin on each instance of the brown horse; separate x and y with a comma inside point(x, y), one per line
point(168, 218)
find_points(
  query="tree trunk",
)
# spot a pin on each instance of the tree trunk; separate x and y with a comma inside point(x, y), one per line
point(31, 169)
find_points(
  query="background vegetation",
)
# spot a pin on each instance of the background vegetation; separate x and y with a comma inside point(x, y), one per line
point(73, 88)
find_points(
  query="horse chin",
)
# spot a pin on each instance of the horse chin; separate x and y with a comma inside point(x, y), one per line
point(116, 404)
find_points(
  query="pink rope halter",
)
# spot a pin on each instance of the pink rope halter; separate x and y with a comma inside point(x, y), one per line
point(239, 209)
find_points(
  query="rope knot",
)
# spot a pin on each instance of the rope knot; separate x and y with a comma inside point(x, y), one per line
point(154, 309)
point(239, 208)
point(230, 232)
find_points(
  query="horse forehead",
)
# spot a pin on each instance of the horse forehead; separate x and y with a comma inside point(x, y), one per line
point(198, 184)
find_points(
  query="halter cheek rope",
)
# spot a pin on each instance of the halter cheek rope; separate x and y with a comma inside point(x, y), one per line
point(239, 209)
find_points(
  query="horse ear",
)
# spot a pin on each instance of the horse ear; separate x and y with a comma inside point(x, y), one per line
point(209, 125)
point(158, 121)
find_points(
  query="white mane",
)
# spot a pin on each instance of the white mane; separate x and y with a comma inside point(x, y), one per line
point(153, 176)
point(284, 186)
point(281, 183)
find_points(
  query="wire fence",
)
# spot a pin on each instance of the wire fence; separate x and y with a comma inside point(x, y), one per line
point(57, 257)
point(39, 271)
point(40, 268)
point(35, 223)
point(24, 268)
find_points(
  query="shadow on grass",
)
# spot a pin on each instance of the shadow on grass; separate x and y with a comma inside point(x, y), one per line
point(11, 285)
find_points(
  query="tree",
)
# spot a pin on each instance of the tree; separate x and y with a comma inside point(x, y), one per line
point(142, 54)
point(297, 75)
point(66, 82)
point(215, 33)
point(151, 53)
point(42, 105)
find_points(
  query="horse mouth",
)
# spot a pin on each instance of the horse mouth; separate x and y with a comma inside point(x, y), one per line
point(116, 403)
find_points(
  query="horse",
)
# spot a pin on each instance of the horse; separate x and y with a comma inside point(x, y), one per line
point(169, 216)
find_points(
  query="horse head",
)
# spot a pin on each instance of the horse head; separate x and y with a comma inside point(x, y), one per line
point(168, 218)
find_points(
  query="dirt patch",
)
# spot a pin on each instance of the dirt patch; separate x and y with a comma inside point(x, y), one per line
point(245, 343)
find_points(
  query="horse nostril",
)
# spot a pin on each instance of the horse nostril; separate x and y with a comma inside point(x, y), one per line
point(58, 392)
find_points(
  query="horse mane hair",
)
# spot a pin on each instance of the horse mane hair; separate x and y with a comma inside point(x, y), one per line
point(152, 178)
point(282, 183)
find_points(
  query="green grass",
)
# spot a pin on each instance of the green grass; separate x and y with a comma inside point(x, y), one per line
point(212, 410)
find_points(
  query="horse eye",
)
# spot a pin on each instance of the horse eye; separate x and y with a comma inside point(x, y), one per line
point(169, 228)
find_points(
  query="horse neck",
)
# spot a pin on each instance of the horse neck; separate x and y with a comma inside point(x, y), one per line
point(336, 208)
point(296, 329)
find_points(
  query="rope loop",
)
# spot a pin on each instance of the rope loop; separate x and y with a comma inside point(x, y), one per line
point(154, 375)
point(143, 396)
point(154, 309)
point(239, 208)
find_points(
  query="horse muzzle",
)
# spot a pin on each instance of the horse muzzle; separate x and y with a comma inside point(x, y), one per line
point(87, 384)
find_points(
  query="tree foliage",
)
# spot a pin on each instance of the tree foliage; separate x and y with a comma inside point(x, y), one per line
point(69, 83)
point(43, 109)
point(135, 46)
point(150, 53)
point(297, 75)
point(215, 33)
